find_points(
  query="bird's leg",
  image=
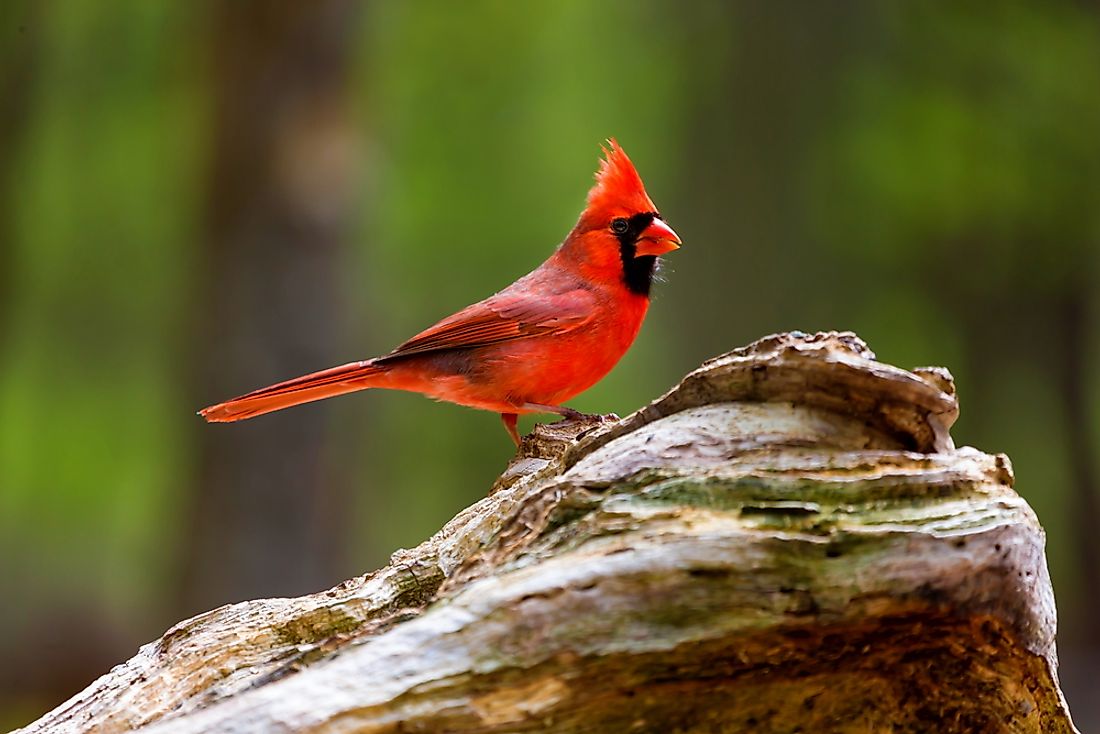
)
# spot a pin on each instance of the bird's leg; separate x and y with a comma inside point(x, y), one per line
point(510, 425)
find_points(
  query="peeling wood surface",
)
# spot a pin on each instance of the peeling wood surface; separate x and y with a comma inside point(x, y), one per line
point(786, 541)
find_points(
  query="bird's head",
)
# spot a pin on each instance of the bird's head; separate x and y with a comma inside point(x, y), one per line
point(620, 233)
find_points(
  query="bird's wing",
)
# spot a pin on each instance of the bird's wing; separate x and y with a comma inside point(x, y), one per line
point(501, 318)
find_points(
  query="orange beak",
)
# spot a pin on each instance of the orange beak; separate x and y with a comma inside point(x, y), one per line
point(657, 239)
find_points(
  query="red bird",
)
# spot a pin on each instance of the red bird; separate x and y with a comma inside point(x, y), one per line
point(534, 345)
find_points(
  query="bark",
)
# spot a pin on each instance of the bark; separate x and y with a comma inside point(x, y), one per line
point(786, 541)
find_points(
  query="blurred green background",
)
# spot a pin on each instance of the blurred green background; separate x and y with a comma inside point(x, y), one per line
point(197, 199)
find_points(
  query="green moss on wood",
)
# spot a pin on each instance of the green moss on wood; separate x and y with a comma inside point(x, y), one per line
point(316, 626)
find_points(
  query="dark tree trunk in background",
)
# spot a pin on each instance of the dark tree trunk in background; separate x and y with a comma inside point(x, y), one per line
point(19, 52)
point(267, 519)
point(1072, 378)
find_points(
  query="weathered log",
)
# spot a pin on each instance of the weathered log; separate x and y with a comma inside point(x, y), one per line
point(786, 541)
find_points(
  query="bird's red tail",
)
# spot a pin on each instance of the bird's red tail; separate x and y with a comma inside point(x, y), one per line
point(324, 384)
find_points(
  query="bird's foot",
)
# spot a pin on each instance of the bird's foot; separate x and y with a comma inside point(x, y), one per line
point(568, 413)
point(600, 418)
point(574, 422)
point(573, 416)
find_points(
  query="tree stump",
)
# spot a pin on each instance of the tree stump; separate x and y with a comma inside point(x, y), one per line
point(786, 541)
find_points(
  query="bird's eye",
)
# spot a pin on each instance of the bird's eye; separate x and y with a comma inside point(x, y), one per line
point(619, 225)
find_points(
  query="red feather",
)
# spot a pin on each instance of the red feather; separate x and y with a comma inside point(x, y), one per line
point(503, 317)
point(324, 384)
point(618, 184)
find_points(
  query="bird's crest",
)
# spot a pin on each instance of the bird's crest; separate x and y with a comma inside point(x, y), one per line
point(618, 184)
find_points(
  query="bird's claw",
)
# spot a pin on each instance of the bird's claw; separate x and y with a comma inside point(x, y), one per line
point(570, 418)
point(575, 416)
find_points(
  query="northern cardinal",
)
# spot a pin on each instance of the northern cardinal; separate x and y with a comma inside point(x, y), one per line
point(527, 349)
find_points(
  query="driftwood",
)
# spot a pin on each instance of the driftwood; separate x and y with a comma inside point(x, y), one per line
point(786, 541)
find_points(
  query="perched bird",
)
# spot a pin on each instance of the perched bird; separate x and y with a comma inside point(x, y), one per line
point(534, 345)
